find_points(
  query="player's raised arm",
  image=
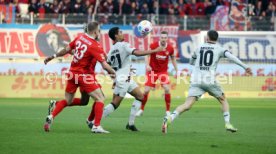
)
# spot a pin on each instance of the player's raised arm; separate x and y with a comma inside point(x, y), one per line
point(147, 52)
point(238, 62)
point(61, 53)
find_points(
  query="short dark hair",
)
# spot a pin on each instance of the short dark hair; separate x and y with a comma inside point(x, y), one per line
point(164, 32)
point(213, 35)
point(112, 32)
point(92, 26)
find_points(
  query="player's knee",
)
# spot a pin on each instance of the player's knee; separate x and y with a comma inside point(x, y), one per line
point(140, 97)
point(99, 98)
point(115, 105)
point(222, 98)
point(167, 90)
point(84, 101)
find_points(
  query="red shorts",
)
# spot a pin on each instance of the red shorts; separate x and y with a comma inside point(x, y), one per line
point(153, 76)
point(86, 82)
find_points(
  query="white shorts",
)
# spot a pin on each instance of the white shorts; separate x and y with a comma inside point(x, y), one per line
point(121, 88)
point(197, 90)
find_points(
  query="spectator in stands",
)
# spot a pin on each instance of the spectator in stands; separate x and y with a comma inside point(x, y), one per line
point(180, 8)
point(107, 7)
point(123, 7)
point(43, 8)
point(271, 13)
point(200, 8)
point(271, 10)
point(210, 7)
point(66, 6)
point(251, 9)
point(258, 9)
point(171, 17)
point(17, 9)
point(164, 6)
point(55, 7)
point(144, 9)
point(191, 8)
point(33, 8)
point(88, 8)
point(134, 9)
point(78, 7)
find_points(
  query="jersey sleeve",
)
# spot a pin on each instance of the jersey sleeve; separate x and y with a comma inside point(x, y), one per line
point(127, 47)
point(223, 51)
point(98, 54)
point(73, 43)
point(172, 51)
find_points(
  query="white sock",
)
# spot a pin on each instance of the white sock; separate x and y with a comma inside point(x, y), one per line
point(134, 108)
point(107, 110)
point(174, 115)
point(226, 116)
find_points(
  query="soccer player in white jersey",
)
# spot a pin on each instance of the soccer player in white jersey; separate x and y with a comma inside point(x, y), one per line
point(119, 57)
point(205, 61)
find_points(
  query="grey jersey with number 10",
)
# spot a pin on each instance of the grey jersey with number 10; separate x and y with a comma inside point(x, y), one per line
point(119, 58)
point(206, 59)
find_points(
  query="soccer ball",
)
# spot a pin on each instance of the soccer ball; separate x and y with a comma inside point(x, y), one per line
point(144, 27)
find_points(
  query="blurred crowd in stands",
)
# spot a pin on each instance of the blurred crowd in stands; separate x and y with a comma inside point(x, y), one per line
point(133, 7)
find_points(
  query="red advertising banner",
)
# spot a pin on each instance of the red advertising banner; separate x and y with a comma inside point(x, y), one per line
point(45, 40)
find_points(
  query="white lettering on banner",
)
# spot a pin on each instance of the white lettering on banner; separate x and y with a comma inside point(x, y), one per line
point(12, 42)
point(242, 50)
point(270, 52)
point(187, 48)
point(255, 51)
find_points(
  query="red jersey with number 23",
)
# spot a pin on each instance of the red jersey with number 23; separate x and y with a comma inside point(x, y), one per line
point(87, 50)
point(159, 60)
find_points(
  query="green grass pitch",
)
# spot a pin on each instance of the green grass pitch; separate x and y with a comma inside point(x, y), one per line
point(201, 130)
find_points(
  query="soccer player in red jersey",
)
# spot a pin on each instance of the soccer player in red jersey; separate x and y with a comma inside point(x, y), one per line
point(157, 69)
point(87, 50)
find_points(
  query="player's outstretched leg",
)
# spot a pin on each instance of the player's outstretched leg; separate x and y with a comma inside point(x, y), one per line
point(55, 107)
point(144, 101)
point(110, 108)
point(49, 118)
point(226, 114)
point(181, 108)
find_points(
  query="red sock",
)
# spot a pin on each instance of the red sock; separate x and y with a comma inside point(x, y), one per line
point(59, 107)
point(99, 106)
point(144, 102)
point(92, 113)
point(168, 101)
point(75, 102)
